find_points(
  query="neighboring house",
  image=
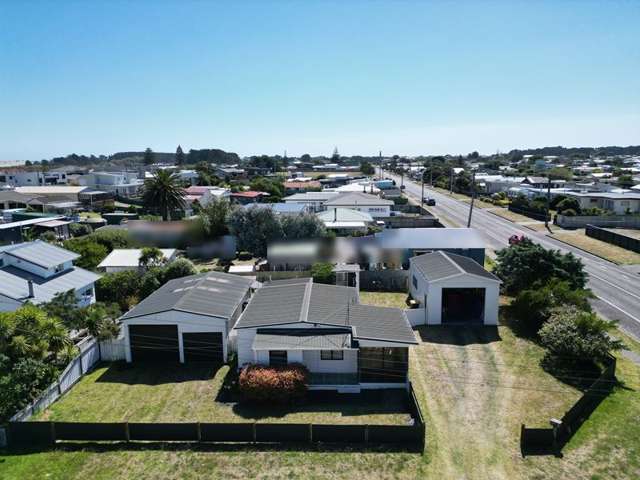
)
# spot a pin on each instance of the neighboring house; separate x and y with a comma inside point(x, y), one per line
point(37, 271)
point(543, 182)
point(248, 196)
point(346, 346)
point(187, 319)
point(23, 178)
point(363, 186)
point(618, 203)
point(122, 259)
point(10, 199)
point(346, 221)
point(213, 193)
point(14, 232)
point(314, 201)
point(125, 184)
point(451, 288)
point(363, 202)
point(281, 208)
point(229, 172)
point(394, 247)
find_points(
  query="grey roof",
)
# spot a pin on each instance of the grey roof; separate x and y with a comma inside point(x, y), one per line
point(303, 339)
point(429, 238)
point(14, 283)
point(213, 294)
point(311, 196)
point(304, 301)
point(609, 195)
point(280, 208)
point(357, 198)
point(438, 265)
point(344, 215)
point(41, 253)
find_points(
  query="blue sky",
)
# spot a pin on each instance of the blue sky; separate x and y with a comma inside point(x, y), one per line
point(261, 77)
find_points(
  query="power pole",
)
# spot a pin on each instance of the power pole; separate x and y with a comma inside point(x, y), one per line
point(422, 196)
point(546, 216)
point(380, 163)
point(473, 197)
point(431, 172)
point(451, 181)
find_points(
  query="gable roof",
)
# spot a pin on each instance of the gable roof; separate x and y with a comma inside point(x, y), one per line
point(14, 283)
point(302, 301)
point(214, 294)
point(41, 253)
point(440, 265)
point(358, 198)
point(310, 197)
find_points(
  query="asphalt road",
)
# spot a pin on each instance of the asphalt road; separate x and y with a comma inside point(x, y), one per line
point(617, 289)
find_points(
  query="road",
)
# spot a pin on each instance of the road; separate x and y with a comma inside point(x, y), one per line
point(616, 288)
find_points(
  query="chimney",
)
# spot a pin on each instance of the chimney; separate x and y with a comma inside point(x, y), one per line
point(30, 284)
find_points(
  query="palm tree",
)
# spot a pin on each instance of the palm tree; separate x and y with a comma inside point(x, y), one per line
point(163, 192)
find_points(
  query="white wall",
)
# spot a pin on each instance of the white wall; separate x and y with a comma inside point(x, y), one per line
point(186, 322)
point(349, 363)
point(374, 211)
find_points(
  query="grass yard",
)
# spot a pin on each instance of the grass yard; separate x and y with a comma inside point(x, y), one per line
point(512, 216)
point(191, 393)
point(475, 385)
point(384, 299)
point(613, 253)
point(205, 265)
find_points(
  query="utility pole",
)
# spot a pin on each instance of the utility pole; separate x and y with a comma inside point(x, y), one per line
point(380, 163)
point(422, 196)
point(473, 197)
point(546, 216)
point(451, 181)
point(431, 172)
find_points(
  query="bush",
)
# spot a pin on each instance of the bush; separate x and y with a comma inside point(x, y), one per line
point(322, 272)
point(572, 336)
point(568, 203)
point(244, 255)
point(262, 384)
point(569, 212)
point(80, 229)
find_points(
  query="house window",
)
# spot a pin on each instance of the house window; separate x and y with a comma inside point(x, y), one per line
point(414, 280)
point(331, 355)
point(277, 358)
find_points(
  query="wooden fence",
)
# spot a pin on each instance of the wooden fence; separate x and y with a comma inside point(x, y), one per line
point(613, 238)
point(551, 440)
point(44, 434)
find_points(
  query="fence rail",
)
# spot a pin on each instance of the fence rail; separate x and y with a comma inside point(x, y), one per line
point(551, 440)
point(609, 221)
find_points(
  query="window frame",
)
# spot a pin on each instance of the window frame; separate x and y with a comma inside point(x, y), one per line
point(332, 355)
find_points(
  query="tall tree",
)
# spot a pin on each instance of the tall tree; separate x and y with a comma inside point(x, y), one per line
point(163, 193)
point(148, 156)
point(335, 157)
point(179, 156)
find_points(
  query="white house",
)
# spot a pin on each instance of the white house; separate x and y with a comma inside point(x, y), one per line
point(450, 288)
point(618, 203)
point(344, 220)
point(120, 183)
point(363, 202)
point(346, 346)
point(187, 319)
point(313, 201)
point(37, 271)
point(129, 259)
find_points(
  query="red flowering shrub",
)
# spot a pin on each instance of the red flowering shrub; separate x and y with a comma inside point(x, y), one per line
point(262, 384)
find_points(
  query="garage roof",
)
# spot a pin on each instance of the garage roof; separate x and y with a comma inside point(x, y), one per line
point(213, 294)
point(440, 265)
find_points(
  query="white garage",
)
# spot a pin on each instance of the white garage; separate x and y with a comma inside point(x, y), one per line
point(452, 289)
point(186, 320)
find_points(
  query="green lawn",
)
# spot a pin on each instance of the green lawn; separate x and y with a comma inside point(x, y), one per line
point(475, 385)
point(384, 299)
point(188, 393)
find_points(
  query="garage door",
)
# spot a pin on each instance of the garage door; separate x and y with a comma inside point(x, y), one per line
point(158, 343)
point(202, 347)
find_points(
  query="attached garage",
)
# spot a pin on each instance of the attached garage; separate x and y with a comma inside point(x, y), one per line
point(186, 320)
point(157, 343)
point(452, 289)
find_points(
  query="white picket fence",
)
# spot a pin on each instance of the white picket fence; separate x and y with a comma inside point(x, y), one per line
point(91, 352)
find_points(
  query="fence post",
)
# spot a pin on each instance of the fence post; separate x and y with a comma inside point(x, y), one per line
point(310, 433)
point(366, 433)
point(126, 432)
point(53, 433)
point(254, 432)
point(199, 432)
point(80, 362)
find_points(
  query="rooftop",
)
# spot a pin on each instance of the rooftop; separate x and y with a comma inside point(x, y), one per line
point(344, 215)
point(40, 253)
point(130, 257)
point(214, 294)
point(440, 265)
point(357, 198)
point(311, 196)
point(302, 300)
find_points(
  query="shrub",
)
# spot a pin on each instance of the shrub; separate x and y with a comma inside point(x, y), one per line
point(244, 255)
point(262, 384)
point(569, 212)
point(322, 272)
point(80, 229)
point(568, 203)
point(572, 336)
